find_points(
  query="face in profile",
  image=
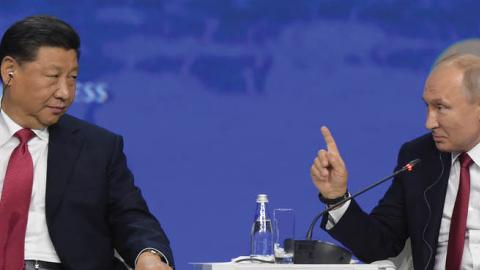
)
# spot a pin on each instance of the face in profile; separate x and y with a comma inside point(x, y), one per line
point(41, 90)
point(453, 116)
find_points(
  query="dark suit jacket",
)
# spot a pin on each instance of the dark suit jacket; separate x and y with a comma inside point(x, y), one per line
point(412, 207)
point(92, 205)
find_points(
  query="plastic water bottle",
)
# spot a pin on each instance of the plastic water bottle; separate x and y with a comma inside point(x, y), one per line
point(261, 235)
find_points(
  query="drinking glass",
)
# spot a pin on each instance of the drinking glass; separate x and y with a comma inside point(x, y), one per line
point(283, 235)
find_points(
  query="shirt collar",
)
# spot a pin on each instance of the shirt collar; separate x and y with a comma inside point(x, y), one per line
point(8, 128)
point(474, 154)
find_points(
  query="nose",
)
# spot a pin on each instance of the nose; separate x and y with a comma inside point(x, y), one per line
point(65, 89)
point(431, 121)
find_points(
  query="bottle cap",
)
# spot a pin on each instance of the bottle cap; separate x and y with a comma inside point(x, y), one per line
point(262, 198)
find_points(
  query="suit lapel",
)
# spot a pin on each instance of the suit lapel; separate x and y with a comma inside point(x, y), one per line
point(65, 143)
point(434, 196)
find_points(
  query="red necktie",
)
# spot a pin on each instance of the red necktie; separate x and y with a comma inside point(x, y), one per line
point(458, 222)
point(14, 204)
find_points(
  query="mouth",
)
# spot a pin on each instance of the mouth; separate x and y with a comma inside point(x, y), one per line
point(56, 109)
point(437, 138)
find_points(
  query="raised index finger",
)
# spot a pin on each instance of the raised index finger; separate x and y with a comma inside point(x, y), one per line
point(327, 136)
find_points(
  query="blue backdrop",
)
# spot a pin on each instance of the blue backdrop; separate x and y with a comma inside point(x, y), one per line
point(232, 94)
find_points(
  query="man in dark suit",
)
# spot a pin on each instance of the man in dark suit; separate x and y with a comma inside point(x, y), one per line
point(68, 199)
point(436, 205)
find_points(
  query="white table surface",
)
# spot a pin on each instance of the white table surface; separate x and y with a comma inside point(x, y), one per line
point(254, 266)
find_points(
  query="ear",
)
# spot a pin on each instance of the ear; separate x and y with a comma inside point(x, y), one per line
point(8, 65)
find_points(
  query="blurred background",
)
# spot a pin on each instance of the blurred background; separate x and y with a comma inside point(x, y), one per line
point(232, 94)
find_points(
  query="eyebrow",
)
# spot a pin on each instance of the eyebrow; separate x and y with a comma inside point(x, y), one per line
point(435, 100)
point(56, 67)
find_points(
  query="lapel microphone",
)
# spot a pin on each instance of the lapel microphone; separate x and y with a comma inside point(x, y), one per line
point(312, 251)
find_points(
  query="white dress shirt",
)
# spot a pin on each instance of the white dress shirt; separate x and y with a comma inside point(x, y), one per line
point(38, 245)
point(471, 251)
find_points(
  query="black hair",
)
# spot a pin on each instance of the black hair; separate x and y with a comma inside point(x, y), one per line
point(23, 39)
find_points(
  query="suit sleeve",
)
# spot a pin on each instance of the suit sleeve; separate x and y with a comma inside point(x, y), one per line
point(380, 234)
point(134, 228)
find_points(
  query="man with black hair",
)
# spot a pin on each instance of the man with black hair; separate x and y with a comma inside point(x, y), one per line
point(67, 196)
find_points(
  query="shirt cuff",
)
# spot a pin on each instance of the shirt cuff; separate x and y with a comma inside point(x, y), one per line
point(162, 256)
point(336, 214)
